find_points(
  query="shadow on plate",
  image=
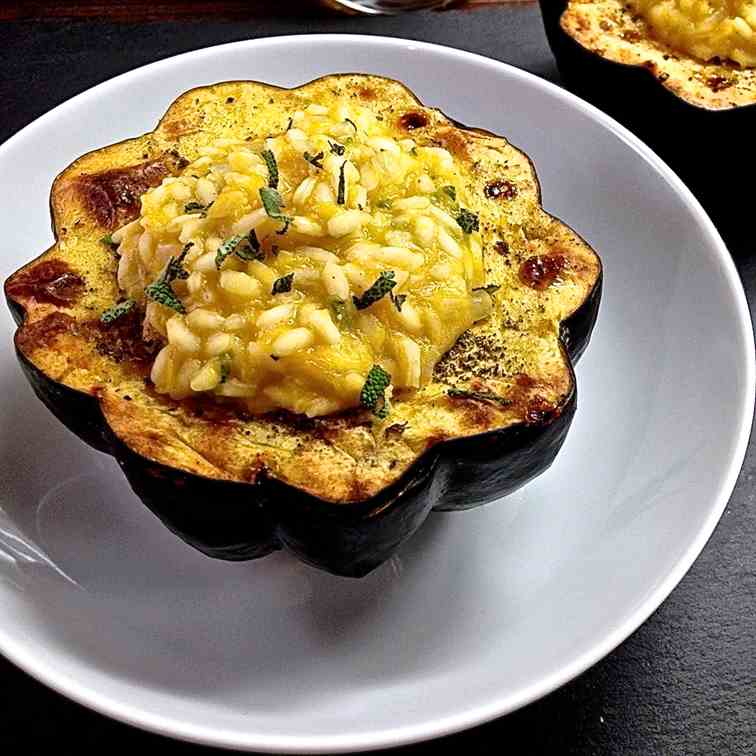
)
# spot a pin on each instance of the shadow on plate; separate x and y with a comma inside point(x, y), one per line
point(118, 591)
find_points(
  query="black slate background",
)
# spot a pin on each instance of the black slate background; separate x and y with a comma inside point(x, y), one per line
point(684, 683)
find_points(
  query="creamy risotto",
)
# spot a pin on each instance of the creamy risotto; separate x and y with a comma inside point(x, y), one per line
point(307, 270)
point(705, 29)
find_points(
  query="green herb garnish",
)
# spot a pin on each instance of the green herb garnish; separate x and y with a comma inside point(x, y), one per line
point(117, 311)
point(447, 197)
point(413, 152)
point(253, 241)
point(373, 394)
point(315, 159)
point(272, 202)
point(283, 284)
point(342, 185)
point(270, 161)
point(490, 289)
point(196, 207)
point(339, 310)
point(336, 149)
point(225, 366)
point(478, 396)
point(382, 286)
point(290, 123)
point(248, 253)
point(107, 240)
point(468, 221)
point(384, 203)
point(351, 123)
point(161, 292)
point(398, 300)
point(175, 268)
point(227, 248)
point(250, 249)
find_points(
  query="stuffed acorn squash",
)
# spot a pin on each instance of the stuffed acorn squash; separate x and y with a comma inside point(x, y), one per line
point(305, 318)
point(681, 74)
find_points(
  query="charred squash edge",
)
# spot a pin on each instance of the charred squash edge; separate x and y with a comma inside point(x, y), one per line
point(349, 540)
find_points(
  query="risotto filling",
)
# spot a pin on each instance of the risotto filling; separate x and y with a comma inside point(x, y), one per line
point(705, 29)
point(308, 271)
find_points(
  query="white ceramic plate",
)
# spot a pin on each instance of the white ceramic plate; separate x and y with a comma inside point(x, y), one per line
point(484, 610)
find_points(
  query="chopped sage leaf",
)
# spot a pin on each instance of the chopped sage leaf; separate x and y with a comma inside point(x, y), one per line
point(107, 240)
point(254, 242)
point(336, 148)
point(447, 197)
point(225, 366)
point(339, 310)
point(373, 394)
point(117, 311)
point(273, 204)
point(196, 207)
point(246, 253)
point(468, 221)
point(315, 159)
point(161, 292)
point(398, 300)
point(342, 185)
point(450, 192)
point(250, 249)
point(227, 248)
point(283, 284)
point(175, 268)
point(270, 161)
point(385, 204)
point(289, 124)
point(382, 286)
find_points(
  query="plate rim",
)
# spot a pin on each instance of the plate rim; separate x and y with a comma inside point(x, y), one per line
point(44, 671)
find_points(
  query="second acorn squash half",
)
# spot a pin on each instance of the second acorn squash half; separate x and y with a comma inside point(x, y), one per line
point(612, 31)
point(340, 491)
point(607, 54)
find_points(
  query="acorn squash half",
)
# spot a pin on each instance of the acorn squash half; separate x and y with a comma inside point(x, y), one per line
point(686, 109)
point(341, 491)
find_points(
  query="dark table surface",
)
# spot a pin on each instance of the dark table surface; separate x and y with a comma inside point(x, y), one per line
point(684, 683)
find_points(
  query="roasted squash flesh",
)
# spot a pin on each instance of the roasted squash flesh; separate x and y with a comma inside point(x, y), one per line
point(492, 363)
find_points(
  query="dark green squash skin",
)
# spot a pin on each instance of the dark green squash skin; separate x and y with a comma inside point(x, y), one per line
point(237, 521)
point(693, 140)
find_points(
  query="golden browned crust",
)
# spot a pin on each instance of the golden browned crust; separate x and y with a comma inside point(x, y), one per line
point(113, 196)
point(516, 353)
point(612, 30)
